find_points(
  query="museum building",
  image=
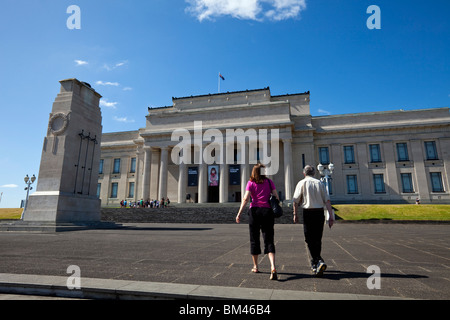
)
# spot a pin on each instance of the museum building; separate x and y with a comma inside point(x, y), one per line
point(202, 149)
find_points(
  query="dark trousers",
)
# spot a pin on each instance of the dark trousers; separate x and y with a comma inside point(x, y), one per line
point(313, 221)
point(261, 219)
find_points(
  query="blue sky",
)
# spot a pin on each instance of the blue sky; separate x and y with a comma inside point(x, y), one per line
point(140, 54)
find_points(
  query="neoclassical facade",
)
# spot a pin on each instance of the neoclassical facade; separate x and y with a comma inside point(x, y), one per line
point(202, 149)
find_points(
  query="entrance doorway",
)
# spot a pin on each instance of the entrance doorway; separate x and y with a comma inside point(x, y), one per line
point(213, 194)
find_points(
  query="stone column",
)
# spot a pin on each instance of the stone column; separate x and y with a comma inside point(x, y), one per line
point(163, 173)
point(392, 178)
point(146, 174)
point(365, 178)
point(202, 183)
point(182, 182)
point(154, 173)
point(288, 180)
point(223, 176)
point(339, 184)
point(245, 172)
point(445, 155)
point(419, 169)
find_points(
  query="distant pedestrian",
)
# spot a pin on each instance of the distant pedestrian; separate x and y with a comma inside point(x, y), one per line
point(261, 217)
point(311, 195)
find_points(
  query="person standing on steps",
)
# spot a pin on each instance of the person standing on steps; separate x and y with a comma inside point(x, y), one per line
point(311, 194)
point(261, 217)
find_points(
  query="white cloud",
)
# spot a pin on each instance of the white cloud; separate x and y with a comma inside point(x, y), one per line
point(81, 62)
point(325, 112)
point(285, 9)
point(107, 83)
point(9, 186)
point(116, 65)
point(105, 103)
point(246, 9)
point(123, 119)
point(127, 89)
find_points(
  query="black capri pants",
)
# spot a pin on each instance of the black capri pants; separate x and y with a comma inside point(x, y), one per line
point(261, 220)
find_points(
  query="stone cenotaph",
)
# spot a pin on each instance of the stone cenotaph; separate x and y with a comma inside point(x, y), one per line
point(67, 184)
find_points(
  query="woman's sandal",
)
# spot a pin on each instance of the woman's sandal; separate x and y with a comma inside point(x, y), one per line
point(255, 270)
point(274, 275)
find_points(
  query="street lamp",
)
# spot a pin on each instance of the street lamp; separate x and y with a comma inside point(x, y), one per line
point(326, 172)
point(28, 182)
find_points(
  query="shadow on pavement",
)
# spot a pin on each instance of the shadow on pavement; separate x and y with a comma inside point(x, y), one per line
point(338, 275)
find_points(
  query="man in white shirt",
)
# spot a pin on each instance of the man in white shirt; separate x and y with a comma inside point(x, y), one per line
point(310, 193)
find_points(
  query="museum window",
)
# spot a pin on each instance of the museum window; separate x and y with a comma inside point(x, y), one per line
point(375, 154)
point(407, 185)
point(431, 151)
point(131, 190)
point(402, 152)
point(116, 168)
point(100, 167)
point(99, 188)
point(436, 182)
point(133, 165)
point(349, 154)
point(324, 156)
point(352, 184)
point(378, 183)
point(114, 188)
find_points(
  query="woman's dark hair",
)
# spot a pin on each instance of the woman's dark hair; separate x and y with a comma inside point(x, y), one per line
point(256, 174)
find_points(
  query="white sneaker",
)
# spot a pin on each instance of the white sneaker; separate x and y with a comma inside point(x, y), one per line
point(321, 267)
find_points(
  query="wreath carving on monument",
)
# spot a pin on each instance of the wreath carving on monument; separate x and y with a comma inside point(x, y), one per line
point(58, 123)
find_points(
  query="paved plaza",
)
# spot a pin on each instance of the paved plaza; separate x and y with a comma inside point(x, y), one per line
point(414, 259)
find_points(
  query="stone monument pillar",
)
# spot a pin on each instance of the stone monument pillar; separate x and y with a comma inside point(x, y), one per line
point(67, 184)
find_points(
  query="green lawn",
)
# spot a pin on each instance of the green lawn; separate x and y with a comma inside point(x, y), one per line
point(393, 212)
point(351, 212)
point(10, 213)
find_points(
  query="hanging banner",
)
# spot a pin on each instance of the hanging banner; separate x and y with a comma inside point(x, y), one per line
point(235, 174)
point(213, 176)
point(193, 176)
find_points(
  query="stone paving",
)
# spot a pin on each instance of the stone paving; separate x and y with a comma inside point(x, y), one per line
point(414, 259)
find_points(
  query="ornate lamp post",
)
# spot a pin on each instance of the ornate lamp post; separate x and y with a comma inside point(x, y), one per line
point(28, 182)
point(326, 172)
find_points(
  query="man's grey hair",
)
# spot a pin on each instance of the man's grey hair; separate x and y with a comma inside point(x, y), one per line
point(309, 170)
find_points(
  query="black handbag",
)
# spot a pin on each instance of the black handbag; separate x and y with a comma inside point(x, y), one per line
point(275, 205)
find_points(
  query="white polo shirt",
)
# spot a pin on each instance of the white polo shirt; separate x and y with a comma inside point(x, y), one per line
point(312, 193)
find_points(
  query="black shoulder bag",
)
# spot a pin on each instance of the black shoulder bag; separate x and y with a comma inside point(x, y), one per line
point(275, 205)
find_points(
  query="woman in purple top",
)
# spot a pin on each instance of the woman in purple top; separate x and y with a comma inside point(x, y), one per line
point(261, 218)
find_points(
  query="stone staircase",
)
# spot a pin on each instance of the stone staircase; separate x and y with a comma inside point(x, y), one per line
point(186, 213)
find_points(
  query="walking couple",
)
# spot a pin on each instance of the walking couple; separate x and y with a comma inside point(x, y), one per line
point(309, 193)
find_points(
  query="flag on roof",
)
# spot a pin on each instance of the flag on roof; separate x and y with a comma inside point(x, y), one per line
point(221, 76)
